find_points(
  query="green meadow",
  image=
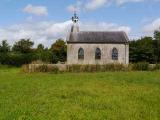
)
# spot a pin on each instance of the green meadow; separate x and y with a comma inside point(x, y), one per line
point(79, 96)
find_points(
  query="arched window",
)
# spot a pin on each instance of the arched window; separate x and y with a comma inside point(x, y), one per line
point(114, 54)
point(80, 54)
point(98, 54)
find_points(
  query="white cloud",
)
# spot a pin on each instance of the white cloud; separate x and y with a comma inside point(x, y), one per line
point(36, 10)
point(40, 32)
point(46, 32)
point(103, 26)
point(75, 7)
point(95, 4)
point(71, 8)
point(151, 27)
point(120, 2)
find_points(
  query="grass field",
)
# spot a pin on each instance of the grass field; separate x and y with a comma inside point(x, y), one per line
point(84, 96)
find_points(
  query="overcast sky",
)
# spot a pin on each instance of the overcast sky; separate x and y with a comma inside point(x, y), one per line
point(44, 21)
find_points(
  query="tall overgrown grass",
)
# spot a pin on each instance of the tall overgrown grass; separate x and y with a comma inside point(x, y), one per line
point(97, 68)
point(141, 66)
point(91, 68)
point(40, 68)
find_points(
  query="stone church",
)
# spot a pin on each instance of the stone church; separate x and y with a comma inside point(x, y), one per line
point(96, 47)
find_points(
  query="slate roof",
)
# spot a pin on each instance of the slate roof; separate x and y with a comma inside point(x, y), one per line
point(118, 37)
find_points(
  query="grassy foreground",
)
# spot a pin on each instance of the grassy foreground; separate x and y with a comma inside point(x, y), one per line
point(74, 96)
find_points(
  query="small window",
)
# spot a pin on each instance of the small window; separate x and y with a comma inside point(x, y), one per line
point(114, 54)
point(98, 54)
point(80, 54)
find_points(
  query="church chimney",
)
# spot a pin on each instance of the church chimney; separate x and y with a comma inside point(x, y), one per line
point(75, 27)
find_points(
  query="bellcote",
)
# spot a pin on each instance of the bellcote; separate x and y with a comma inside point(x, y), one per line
point(75, 27)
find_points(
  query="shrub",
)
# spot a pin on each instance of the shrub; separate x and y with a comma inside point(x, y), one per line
point(16, 59)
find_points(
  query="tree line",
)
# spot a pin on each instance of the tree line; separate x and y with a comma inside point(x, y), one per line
point(146, 49)
point(22, 52)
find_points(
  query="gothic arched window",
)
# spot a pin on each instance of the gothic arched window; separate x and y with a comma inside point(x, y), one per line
point(98, 54)
point(80, 54)
point(114, 54)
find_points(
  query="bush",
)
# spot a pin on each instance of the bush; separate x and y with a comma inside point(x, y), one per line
point(6, 66)
point(143, 66)
point(16, 59)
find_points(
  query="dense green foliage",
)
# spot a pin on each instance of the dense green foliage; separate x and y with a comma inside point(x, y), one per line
point(79, 96)
point(146, 49)
point(59, 49)
point(23, 52)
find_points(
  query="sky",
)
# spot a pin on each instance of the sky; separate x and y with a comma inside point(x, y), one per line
point(44, 21)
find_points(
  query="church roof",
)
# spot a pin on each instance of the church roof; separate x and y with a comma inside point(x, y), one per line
point(117, 37)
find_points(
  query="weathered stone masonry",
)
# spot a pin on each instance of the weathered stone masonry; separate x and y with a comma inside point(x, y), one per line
point(89, 53)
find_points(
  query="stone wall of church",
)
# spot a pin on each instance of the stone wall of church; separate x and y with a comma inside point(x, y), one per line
point(89, 53)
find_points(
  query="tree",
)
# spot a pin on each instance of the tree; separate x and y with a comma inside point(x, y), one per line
point(22, 53)
point(59, 50)
point(157, 45)
point(142, 50)
point(4, 52)
point(4, 47)
point(157, 35)
point(23, 46)
point(40, 47)
point(43, 54)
